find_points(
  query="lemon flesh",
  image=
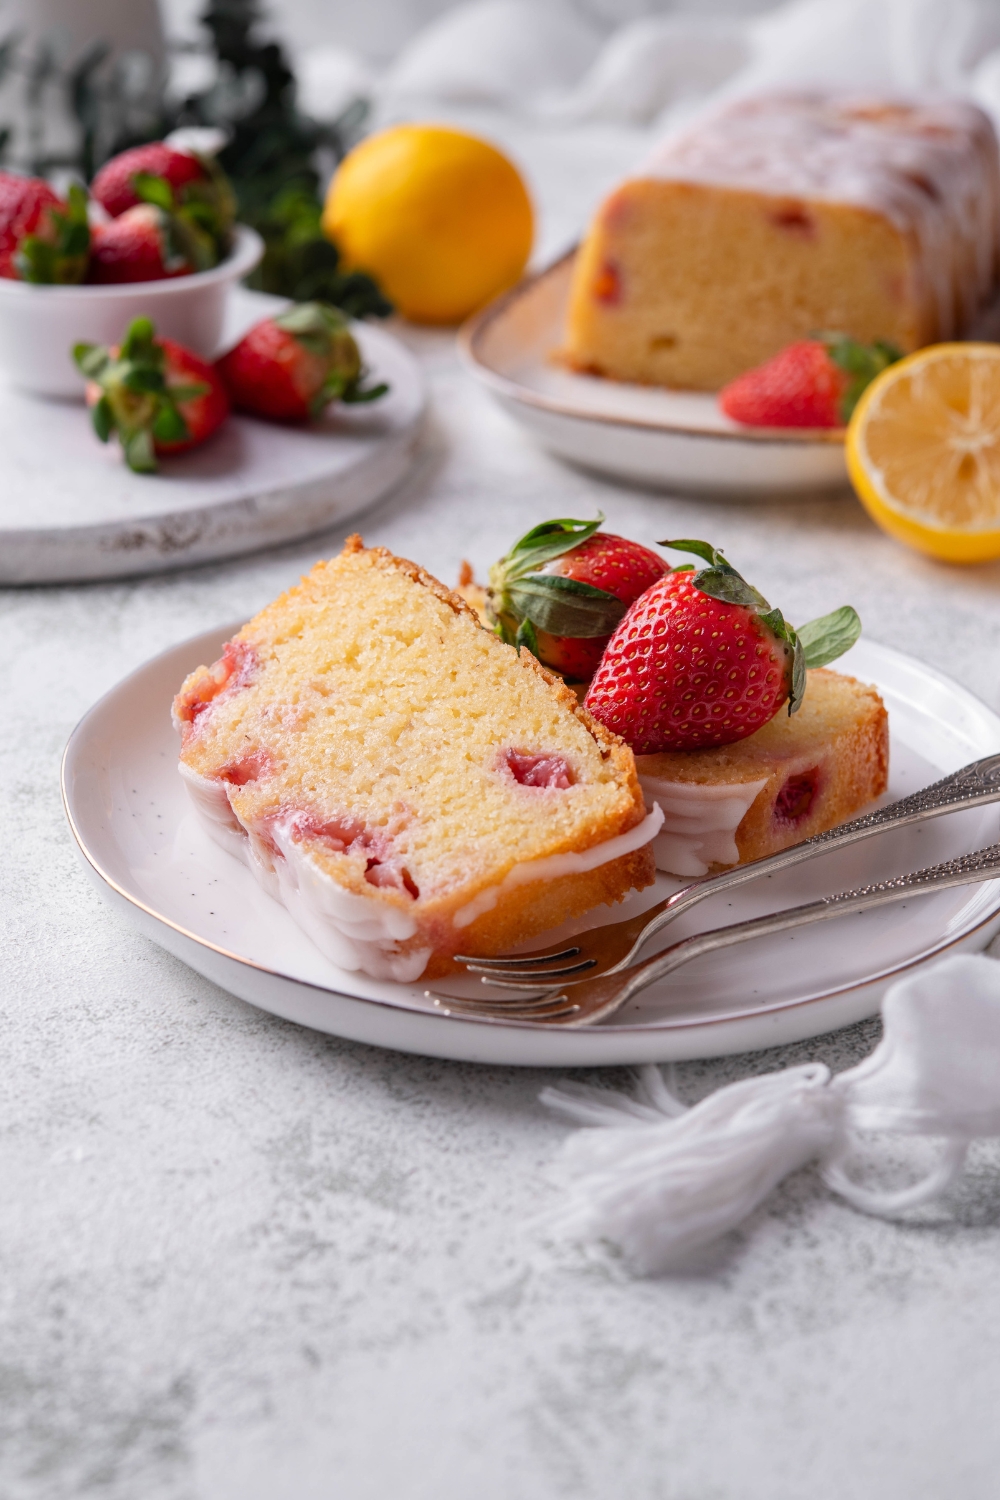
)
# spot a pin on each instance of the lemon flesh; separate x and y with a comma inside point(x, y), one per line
point(440, 217)
point(923, 451)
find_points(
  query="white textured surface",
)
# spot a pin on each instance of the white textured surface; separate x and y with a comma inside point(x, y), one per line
point(240, 1261)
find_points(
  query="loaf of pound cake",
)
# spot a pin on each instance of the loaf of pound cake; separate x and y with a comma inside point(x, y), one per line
point(782, 216)
point(797, 776)
point(406, 784)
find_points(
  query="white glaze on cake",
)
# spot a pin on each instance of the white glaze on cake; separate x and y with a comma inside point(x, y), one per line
point(699, 822)
point(359, 932)
point(556, 866)
point(930, 167)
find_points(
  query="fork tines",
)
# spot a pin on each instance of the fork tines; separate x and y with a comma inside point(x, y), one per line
point(548, 1006)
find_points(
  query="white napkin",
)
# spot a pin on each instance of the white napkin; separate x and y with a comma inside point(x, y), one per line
point(548, 62)
point(659, 1180)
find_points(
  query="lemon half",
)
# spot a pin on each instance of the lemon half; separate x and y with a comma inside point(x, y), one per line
point(923, 451)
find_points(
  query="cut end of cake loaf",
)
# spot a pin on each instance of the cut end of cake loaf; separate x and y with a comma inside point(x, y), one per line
point(782, 216)
point(405, 783)
point(797, 776)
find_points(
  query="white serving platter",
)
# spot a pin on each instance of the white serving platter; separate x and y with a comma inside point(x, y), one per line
point(71, 510)
point(676, 440)
point(149, 856)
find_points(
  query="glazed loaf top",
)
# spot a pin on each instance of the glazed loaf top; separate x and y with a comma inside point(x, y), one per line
point(929, 166)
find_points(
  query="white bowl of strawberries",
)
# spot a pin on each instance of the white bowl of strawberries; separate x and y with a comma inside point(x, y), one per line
point(157, 239)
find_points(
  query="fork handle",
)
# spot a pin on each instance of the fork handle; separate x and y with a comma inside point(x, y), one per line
point(983, 864)
point(974, 785)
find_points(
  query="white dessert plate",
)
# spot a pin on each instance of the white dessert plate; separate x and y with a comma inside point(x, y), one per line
point(70, 509)
point(148, 854)
point(676, 440)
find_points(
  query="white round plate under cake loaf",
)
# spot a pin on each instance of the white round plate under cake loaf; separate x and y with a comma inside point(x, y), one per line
point(676, 440)
point(150, 857)
point(70, 509)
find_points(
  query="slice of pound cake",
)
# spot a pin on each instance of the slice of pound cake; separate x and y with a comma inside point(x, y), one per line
point(781, 216)
point(405, 783)
point(796, 776)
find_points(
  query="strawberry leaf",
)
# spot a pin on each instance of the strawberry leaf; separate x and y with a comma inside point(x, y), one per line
point(169, 426)
point(720, 579)
point(139, 454)
point(152, 189)
point(544, 542)
point(860, 363)
point(91, 360)
point(102, 419)
point(565, 606)
point(356, 395)
point(526, 637)
point(704, 550)
point(825, 639)
point(798, 689)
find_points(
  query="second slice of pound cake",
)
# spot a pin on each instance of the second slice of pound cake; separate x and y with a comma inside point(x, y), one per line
point(406, 784)
point(796, 776)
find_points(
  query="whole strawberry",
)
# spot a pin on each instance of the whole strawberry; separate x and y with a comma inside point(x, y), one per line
point(290, 367)
point(42, 238)
point(192, 187)
point(156, 395)
point(816, 382)
point(701, 659)
point(563, 587)
point(144, 244)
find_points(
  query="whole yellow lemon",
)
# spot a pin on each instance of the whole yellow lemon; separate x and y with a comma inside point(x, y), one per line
point(441, 218)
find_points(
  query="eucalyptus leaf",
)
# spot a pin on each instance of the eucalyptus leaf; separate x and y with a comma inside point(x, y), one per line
point(825, 639)
point(565, 606)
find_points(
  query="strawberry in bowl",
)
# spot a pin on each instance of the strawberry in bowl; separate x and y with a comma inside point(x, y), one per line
point(155, 395)
point(191, 188)
point(562, 589)
point(43, 238)
point(816, 382)
point(290, 367)
point(701, 659)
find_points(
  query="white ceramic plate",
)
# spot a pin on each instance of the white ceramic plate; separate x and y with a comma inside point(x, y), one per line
point(149, 856)
point(70, 509)
point(670, 439)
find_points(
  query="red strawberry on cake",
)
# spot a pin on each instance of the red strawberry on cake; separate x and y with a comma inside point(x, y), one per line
point(157, 396)
point(702, 659)
point(563, 588)
point(289, 368)
point(694, 679)
point(43, 238)
point(815, 382)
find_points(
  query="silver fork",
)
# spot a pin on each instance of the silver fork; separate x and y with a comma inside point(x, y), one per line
point(613, 947)
point(595, 999)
